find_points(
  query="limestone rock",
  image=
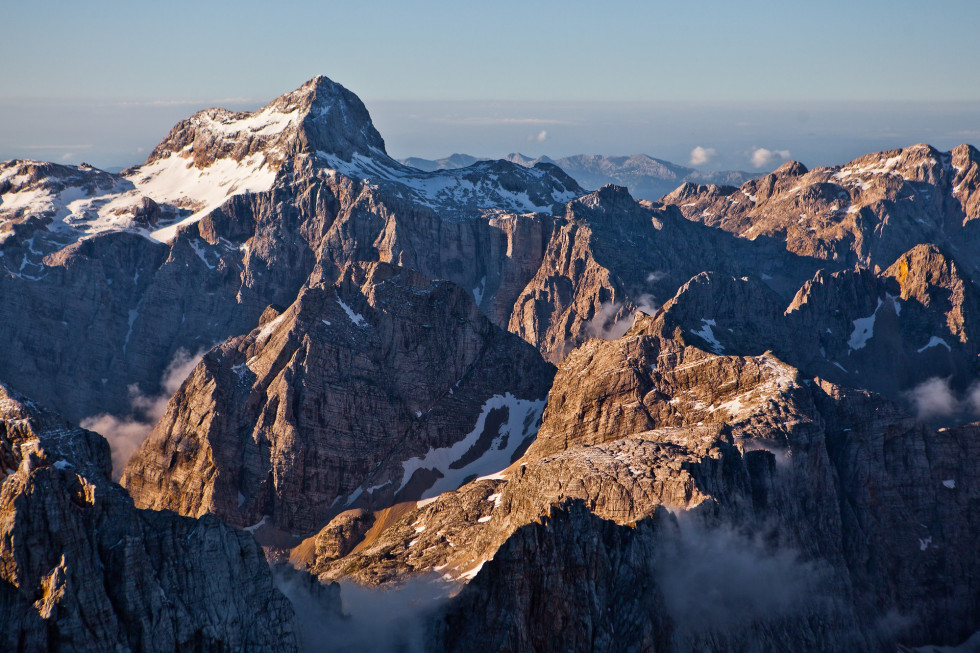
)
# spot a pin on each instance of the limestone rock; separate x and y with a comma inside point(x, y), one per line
point(381, 388)
point(82, 569)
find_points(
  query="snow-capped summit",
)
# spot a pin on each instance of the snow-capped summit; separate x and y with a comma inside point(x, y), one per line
point(321, 115)
point(217, 154)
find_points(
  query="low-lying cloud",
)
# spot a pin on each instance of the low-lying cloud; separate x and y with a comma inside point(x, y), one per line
point(934, 400)
point(606, 325)
point(125, 433)
point(367, 618)
point(647, 304)
point(762, 158)
point(718, 579)
point(702, 155)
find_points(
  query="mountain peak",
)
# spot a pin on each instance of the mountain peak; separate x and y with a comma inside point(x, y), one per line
point(319, 116)
point(334, 119)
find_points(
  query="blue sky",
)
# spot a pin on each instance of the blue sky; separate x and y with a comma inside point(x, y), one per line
point(817, 79)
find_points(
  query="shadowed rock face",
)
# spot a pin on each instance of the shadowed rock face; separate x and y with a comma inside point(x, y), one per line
point(610, 256)
point(82, 569)
point(377, 389)
point(623, 589)
point(232, 213)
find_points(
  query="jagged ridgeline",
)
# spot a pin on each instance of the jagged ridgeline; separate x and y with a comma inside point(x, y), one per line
point(527, 414)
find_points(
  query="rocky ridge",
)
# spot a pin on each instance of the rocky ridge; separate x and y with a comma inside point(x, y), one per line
point(82, 569)
point(866, 212)
point(380, 388)
point(646, 177)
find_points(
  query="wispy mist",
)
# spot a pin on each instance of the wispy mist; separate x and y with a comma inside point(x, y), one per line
point(934, 400)
point(717, 578)
point(606, 325)
point(125, 433)
point(361, 618)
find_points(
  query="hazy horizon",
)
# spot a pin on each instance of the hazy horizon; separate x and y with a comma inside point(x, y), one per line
point(120, 134)
point(817, 82)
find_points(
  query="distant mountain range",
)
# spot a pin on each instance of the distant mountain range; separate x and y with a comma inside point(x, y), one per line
point(646, 178)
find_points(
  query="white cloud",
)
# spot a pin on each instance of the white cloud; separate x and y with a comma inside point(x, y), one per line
point(541, 136)
point(933, 398)
point(126, 433)
point(702, 155)
point(762, 157)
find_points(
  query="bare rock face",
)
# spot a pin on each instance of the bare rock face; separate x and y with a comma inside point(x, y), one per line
point(631, 588)
point(232, 213)
point(847, 494)
point(610, 256)
point(596, 567)
point(82, 569)
point(851, 327)
point(343, 533)
point(868, 211)
point(381, 388)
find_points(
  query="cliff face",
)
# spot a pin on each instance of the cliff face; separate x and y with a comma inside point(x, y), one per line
point(82, 569)
point(380, 388)
point(840, 489)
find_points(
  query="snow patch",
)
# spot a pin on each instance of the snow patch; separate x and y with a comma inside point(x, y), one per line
point(950, 484)
point(934, 341)
point(356, 318)
point(864, 330)
point(478, 291)
point(256, 526)
point(522, 419)
point(706, 334)
point(177, 181)
point(471, 574)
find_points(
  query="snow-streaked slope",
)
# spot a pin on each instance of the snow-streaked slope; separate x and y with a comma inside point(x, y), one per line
point(523, 417)
point(217, 154)
point(477, 187)
point(176, 181)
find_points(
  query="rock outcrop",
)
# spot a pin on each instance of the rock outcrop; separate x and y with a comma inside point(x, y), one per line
point(82, 569)
point(868, 211)
point(846, 490)
point(380, 388)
